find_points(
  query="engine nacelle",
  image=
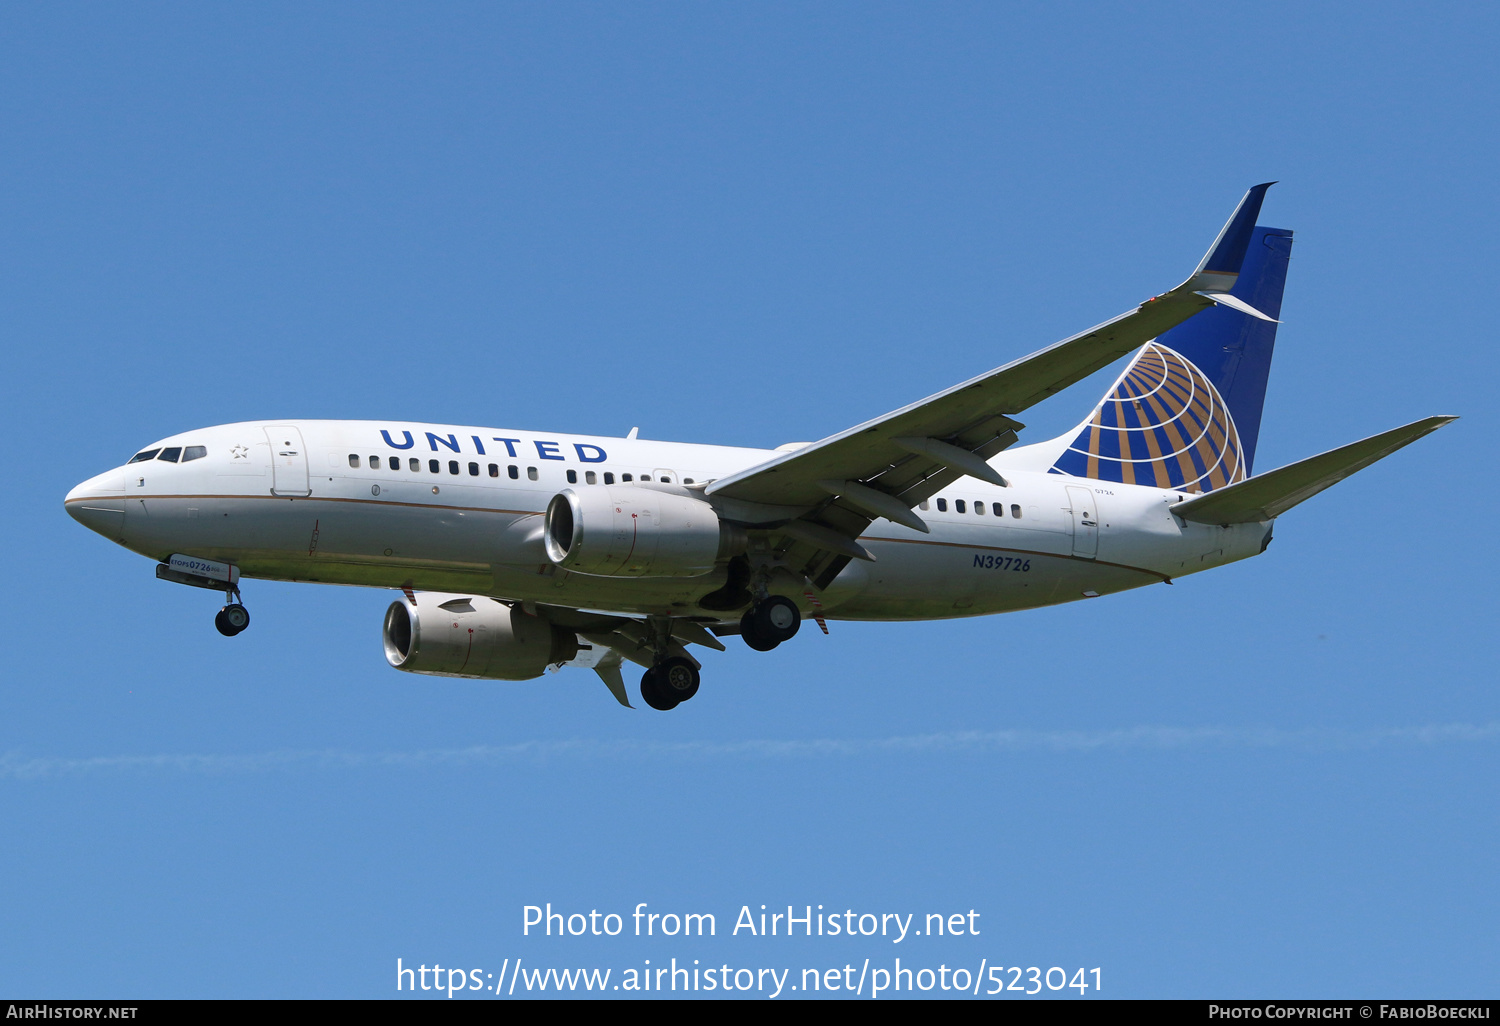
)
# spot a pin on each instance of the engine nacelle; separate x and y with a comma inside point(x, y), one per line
point(626, 531)
point(462, 636)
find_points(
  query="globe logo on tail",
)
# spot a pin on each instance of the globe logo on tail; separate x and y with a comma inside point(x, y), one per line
point(1163, 425)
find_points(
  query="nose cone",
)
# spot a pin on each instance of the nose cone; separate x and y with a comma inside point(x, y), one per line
point(99, 504)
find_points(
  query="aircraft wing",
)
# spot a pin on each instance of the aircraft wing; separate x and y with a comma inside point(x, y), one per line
point(886, 466)
point(1267, 496)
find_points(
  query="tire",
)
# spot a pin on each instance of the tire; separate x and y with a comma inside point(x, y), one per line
point(236, 617)
point(223, 625)
point(654, 693)
point(677, 678)
point(751, 633)
point(777, 619)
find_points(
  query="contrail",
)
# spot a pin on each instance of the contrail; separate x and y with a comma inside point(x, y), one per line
point(15, 766)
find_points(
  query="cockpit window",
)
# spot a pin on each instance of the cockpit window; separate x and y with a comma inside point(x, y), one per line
point(194, 452)
point(142, 457)
point(171, 454)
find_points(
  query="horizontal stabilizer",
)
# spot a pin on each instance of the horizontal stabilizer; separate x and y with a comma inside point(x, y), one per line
point(1270, 495)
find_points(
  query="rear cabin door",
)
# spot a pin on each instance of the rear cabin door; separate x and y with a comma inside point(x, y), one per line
point(288, 460)
point(1085, 522)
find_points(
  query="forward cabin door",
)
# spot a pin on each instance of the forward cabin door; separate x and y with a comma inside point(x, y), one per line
point(1083, 503)
point(288, 460)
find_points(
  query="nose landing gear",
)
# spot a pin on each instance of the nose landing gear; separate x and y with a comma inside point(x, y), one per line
point(196, 572)
point(232, 619)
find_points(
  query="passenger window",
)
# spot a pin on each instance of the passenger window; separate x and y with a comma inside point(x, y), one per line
point(626, 477)
point(1015, 511)
point(531, 473)
point(979, 508)
point(942, 505)
point(434, 467)
point(494, 470)
point(958, 506)
point(150, 454)
point(589, 477)
point(415, 465)
point(395, 462)
point(170, 455)
point(374, 462)
point(687, 480)
point(513, 472)
point(609, 477)
point(665, 479)
point(924, 504)
point(354, 460)
point(998, 508)
point(473, 470)
point(453, 466)
point(572, 477)
point(194, 452)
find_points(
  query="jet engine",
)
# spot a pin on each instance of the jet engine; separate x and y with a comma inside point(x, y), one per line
point(461, 636)
point(628, 531)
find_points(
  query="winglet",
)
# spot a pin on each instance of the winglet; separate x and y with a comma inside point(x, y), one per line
point(1221, 265)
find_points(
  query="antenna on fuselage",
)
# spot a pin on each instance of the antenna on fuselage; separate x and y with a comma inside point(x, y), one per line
point(633, 432)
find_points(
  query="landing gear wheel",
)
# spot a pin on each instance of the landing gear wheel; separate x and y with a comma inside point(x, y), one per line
point(751, 633)
point(232, 619)
point(655, 692)
point(770, 622)
point(677, 678)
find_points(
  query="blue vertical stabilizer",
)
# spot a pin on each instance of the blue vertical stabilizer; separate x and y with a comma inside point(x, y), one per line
point(1233, 349)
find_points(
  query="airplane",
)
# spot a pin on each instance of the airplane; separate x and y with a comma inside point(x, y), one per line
point(520, 551)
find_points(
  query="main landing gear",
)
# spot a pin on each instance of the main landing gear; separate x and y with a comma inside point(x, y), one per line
point(669, 683)
point(769, 622)
point(674, 679)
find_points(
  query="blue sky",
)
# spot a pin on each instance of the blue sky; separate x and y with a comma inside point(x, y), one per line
point(745, 225)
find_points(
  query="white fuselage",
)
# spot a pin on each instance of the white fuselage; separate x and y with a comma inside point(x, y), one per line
point(458, 509)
